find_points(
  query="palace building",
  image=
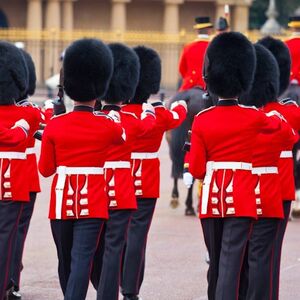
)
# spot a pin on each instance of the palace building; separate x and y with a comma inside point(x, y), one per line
point(163, 16)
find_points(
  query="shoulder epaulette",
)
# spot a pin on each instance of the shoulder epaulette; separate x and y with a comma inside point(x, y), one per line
point(129, 113)
point(288, 101)
point(251, 107)
point(101, 114)
point(60, 115)
point(205, 110)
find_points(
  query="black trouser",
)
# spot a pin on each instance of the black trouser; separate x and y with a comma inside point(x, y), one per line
point(226, 241)
point(135, 249)
point(10, 212)
point(109, 266)
point(260, 250)
point(277, 249)
point(76, 242)
point(23, 226)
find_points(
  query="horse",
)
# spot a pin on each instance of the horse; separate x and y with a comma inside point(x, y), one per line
point(197, 100)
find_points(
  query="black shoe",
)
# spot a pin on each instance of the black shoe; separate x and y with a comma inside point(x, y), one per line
point(13, 295)
point(131, 297)
point(189, 211)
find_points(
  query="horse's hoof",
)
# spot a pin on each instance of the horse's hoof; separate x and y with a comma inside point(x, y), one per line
point(174, 203)
point(189, 211)
point(296, 213)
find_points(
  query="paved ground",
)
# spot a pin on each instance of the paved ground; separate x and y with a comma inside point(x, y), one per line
point(175, 259)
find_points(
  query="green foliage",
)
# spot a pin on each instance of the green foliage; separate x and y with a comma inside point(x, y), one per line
point(258, 10)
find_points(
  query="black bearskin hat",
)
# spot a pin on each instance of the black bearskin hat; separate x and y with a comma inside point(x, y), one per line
point(87, 67)
point(229, 65)
point(13, 73)
point(150, 74)
point(265, 86)
point(282, 54)
point(31, 73)
point(125, 76)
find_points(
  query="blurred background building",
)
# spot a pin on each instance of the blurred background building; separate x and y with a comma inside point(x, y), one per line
point(47, 26)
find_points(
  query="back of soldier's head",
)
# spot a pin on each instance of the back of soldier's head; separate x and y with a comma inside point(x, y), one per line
point(13, 73)
point(87, 69)
point(150, 74)
point(283, 58)
point(229, 65)
point(31, 82)
point(125, 76)
point(265, 86)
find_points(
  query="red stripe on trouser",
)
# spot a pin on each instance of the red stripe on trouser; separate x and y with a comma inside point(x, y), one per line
point(122, 252)
point(271, 264)
point(143, 252)
point(242, 260)
point(8, 265)
point(92, 257)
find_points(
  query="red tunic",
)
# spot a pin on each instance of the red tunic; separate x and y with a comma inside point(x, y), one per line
point(120, 185)
point(266, 155)
point(12, 136)
point(14, 172)
point(191, 64)
point(32, 168)
point(226, 133)
point(146, 170)
point(286, 165)
point(78, 139)
point(294, 46)
point(48, 113)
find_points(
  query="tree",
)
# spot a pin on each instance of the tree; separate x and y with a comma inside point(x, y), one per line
point(259, 7)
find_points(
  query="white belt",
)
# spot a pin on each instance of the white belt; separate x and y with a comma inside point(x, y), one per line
point(117, 165)
point(12, 155)
point(211, 166)
point(144, 155)
point(265, 170)
point(61, 180)
point(30, 151)
point(286, 154)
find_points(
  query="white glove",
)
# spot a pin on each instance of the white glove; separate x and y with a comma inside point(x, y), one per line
point(48, 104)
point(148, 107)
point(115, 116)
point(188, 179)
point(180, 102)
point(22, 123)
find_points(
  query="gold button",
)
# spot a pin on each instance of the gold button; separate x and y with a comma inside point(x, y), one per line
point(191, 81)
point(194, 72)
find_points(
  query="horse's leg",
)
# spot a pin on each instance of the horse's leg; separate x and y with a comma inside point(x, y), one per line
point(175, 194)
point(189, 209)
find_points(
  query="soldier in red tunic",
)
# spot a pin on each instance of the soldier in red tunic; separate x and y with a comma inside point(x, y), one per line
point(74, 148)
point(145, 168)
point(34, 186)
point(222, 145)
point(291, 112)
point(14, 185)
point(192, 56)
point(119, 182)
point(293, 92)
point(265, 163)
point(293, 44)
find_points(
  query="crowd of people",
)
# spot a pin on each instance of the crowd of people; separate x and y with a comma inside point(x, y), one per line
point(104, 158)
